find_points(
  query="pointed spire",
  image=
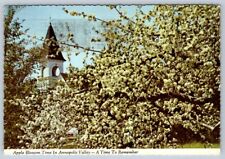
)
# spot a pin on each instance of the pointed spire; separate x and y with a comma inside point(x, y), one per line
point(51, 45)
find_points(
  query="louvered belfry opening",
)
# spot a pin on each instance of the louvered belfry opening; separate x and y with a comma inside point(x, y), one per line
point(51, 45)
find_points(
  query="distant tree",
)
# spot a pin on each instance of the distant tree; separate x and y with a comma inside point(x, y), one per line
point(19, 63)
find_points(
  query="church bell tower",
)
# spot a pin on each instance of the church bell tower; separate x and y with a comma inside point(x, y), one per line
point(53, 62)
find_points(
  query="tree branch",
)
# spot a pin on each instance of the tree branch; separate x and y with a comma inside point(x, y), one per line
point(72, 45)
point(121, 14)
point(81, 47)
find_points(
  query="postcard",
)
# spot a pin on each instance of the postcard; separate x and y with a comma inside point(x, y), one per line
point(112, 79)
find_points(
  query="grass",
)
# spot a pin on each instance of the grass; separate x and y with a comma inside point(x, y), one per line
point(200, 145)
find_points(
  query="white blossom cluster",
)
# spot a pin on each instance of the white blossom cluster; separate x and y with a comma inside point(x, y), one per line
point(45, 123)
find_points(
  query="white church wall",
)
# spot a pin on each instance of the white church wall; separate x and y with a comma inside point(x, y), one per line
point(46, 72)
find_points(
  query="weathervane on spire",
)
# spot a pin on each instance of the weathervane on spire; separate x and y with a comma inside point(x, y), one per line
point(50, 19)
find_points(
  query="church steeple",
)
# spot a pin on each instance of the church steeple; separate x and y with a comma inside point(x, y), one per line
point(52, 68)
point(51, 45)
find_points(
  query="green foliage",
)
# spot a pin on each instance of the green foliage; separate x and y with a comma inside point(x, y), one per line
point(200, 145)
point(152, 86)
point(19, 62)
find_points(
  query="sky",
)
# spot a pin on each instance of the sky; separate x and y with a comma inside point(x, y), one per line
point(37, 19)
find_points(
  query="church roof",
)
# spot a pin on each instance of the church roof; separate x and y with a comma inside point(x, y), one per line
point(64, 75)
point(51, 45)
